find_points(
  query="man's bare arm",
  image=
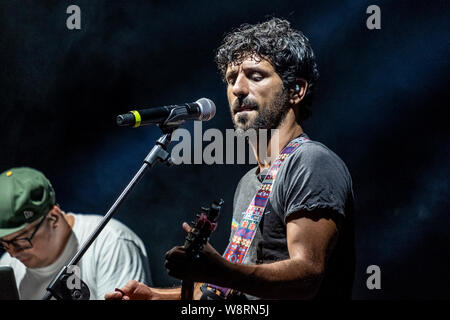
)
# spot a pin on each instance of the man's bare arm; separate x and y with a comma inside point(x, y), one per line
point(135, 290)
point(310, 238)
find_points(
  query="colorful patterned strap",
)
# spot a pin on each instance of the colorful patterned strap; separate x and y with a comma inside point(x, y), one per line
point(240, 243)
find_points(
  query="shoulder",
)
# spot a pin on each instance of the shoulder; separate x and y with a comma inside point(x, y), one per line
point(249, 175)
point(312, 177)
point(114, 229)
point(247, 178)
point(18, 267)
point(312, 151)
point(317, 157)
point(5, 259)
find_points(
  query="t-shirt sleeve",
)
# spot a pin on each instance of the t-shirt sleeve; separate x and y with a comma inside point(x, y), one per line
point(313, 178)
point(123, 260)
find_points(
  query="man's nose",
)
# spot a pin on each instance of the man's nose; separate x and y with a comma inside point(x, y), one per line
point(240, 87)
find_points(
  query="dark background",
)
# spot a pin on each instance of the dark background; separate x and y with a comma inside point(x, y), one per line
point(380, 106)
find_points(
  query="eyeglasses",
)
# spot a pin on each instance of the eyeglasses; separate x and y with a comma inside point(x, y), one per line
point(21, 243)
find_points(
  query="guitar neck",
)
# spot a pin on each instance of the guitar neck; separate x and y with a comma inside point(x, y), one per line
point(197, 238)
point(187, 290)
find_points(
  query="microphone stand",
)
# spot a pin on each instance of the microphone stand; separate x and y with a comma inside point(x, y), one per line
point(59, 287)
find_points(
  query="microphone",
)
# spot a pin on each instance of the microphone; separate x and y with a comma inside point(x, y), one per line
point(203, 109)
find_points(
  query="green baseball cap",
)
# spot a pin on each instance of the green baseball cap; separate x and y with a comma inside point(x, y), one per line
point(25, 195)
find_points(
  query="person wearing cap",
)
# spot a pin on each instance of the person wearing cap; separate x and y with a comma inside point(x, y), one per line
point(39, 239)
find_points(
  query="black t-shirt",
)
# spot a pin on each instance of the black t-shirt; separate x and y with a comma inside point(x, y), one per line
point(312, 177)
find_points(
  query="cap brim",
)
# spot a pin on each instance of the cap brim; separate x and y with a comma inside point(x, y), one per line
point(4, 231)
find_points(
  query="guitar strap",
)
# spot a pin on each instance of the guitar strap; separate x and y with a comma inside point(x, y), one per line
point(237, 249)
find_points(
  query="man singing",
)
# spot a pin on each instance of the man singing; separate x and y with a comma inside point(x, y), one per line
point(301, 246)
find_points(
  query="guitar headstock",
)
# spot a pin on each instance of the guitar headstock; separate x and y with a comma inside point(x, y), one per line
point(202, 227)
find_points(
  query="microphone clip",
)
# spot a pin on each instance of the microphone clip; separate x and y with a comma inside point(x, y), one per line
point(176, 118)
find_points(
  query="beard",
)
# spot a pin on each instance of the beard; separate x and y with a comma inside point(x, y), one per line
point(269, 117)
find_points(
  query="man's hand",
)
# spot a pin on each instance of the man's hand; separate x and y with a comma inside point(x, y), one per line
point(206, 268)
point(181, 266)
point(133, 290)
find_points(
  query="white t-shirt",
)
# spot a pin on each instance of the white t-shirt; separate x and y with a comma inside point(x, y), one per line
point(114, 258)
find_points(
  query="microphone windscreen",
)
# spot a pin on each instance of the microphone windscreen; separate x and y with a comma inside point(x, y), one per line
point(207, 107)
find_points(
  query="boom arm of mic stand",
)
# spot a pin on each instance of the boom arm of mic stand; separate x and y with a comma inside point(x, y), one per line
point(57, 288)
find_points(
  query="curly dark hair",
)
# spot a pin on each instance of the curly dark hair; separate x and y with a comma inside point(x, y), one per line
point(287, 49)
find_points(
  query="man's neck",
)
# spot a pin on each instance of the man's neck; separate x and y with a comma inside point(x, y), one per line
point(70, 219)
point(65, 234)
point(276, 142)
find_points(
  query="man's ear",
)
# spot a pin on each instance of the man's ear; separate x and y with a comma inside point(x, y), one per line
point(297, 93)
point(54, 216)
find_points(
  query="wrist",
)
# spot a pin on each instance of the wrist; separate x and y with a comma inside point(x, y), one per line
point(229, 274)
point(166, 294)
